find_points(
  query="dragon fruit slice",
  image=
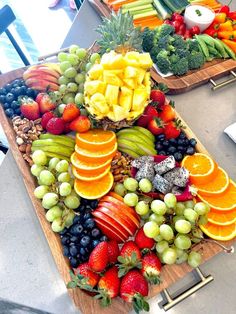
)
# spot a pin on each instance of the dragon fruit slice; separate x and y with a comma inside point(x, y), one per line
point(141, 161)
point(161, 184)
point(177, 176)
point(146, 171)
point(165, 165)
point(186, 194)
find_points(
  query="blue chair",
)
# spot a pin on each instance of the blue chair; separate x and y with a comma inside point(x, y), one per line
point(7, 17)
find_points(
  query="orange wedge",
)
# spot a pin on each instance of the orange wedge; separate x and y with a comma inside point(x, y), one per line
point(89, 177)
point(94, 189)
point(95, 139)
point(222, 218)
point(223, 201)
point(221, 233)
point(96, 156)
point(201, 167)
point(216, 186)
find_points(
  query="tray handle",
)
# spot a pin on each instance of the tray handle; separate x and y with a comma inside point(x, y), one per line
point(173, 301)
point(225, 83)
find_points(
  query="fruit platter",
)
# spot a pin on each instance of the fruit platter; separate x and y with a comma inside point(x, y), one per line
point(128, 198)
point(190, 42)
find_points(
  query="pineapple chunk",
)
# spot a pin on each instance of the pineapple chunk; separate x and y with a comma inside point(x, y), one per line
point(139, 99)
point(111, 94)
point(119, 113)
point(125, 98)
point(112, 79)
point(145, 60)
point(111, 116)
point(132, 58)
point(130, 83)
point(147, 81)
point(98, 101)
point(93, 87)
point(134, 114)
point(118, 62)
point(106, 60)
point(140, 76)
point(96, 71)
point(130, 72)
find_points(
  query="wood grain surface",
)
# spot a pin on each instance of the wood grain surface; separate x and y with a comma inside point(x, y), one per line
point(87, 304)
point(177, 85)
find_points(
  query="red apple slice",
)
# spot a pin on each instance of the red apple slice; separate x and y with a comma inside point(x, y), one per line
point(107, 231)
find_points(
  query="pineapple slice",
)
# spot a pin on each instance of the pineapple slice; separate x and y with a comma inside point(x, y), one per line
point(111, 78)
point(125, 98)
point(111, 94)
point(106, 60)
point(130, 83)
point(132, 58)
point(117, 62)
point(145, 60)
point(95, 72)
point(139, 99)
point(140, 76)
point(134, 114)
point(130, 72)
point(119, 113)
point(147, 80)
point(93, 87)
point(98, 102)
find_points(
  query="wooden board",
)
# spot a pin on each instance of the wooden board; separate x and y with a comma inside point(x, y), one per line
point(177, 85)
point(87, 304)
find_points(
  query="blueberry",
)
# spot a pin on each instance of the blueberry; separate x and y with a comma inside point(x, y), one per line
point(160, 137)
point(18, 111)
point(2, 99)
point(82, 251)
point(82, 208)
point(15, 105)
point(76, 229)
point(9, 97)
point(190, 150)
point(173, 141)
point(8, 87)
point(74, 262)
point(192, 142)
point(65, 240)
point(178, 156)
point(30, 92)
point(159, 146)
point(17, 91)
point(23, 90)
point(182, 135)
point(6, 105)
point(74, 239)
point(3, 91)
point(76, 219)
point(16, 82)
point(95, 233)
point(89, 223)
point(181, 141)
point(181, 149)
point(95, 243)
point(171, 150)
point(9, 112)
point(66, 251)
point(94, 204)
point(85, 241)
point(73, 251)
point(103, 238)
point(86, 216)
point(64, 231)
point(162, 152)
point(165, 144)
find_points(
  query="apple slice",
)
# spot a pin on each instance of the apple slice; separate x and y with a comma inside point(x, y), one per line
point(115, 195)
point(108, 231)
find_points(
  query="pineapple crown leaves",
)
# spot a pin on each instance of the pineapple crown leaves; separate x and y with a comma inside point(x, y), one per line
point(119, 33)
point(127, 263)
point(79, 281)
point(139, 303)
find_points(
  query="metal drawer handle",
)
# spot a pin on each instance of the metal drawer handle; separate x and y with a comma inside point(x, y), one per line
point(225, 83)
point(203, 282)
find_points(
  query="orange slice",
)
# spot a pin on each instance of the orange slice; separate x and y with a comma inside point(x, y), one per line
point(94, 189)
point(216, 186)
point(222, 218)
point(89, 167)
point(223, 201)
point(221, 233)
point(89, 177)
point(201, 167)
point(96, 155)
point(95, 139)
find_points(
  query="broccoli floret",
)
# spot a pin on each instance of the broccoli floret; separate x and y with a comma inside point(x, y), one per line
point(165, 29)
point(180, 67)
point(179, 42)
point(193, 45)
point(195, 60)
point(166, 43)
point(154, 52)
point(182, 53)
point(163, 62)
point(148, 36)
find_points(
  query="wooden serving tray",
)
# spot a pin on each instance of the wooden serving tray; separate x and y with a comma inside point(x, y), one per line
point(177, 85)
point(86, 303)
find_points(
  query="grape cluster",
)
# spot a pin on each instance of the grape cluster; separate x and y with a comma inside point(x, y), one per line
point(10, 95)
point(82, 236)
point(55, 189)
point(178, 147)
point(74, 66)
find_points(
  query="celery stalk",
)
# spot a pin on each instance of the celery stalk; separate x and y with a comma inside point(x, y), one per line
point(141, 7)
point(140, 12)
point(136, 3)
point(150, 13)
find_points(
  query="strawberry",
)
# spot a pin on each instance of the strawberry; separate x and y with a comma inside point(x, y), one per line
point(67, 128)
point(142, 241)
point(80, 124)
point(143, 120)
point(45, 118)
point(150, 110)
point(156, 126)
point(70, 112)
point(134, 288)
point(98, 258)
point(85, 271)
point(108, 286)
point(55, 126)
point(46, 102)
point(113, 251)
point(151, 268)
point(130, 257)
point(29, 108)
point(173, 129)
point(168, 112)
point(158, 97)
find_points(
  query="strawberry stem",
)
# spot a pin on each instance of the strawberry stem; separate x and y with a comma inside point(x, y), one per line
point(139, 303)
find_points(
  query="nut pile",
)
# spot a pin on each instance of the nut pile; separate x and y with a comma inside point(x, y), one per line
point(120, 167)
point(26, 132)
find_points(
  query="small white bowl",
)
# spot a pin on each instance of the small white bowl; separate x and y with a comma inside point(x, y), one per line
point(198, 15)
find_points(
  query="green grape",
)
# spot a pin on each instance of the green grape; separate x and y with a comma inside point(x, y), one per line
point(69, 98)
point(81, 53)
point(145, 185)
point(179, 252)
point(162, 246)
point(58, 225)
point(179, 209)
point(73, 48)
point(194, 259)
point(72, 87)
point(73, 59)
point(191, 215)
point(170, 211)
point(65, 189)
point(63, 80)
point(80, 78)
point(39, 158)
point(120, 189)
point(88, 66)
point(158, 238)
point(64, 66)
point(63, 88)
point(183, 226)
point(176, 218)
point(57, 95)
point(36, 170)
point(61, 108)
point(50, 200)
point(64, 177)
point(197, 234)
point(62, 166)
point(53, 213)
point(203, 220)
point(68, 219)
point(169, 256)
point(79, 99)
point(182, 259)
point(151, 229)
point(81, 88)
point(166, 232)
point(201, 208)
point(94, 57)
point(189, 204)
point(159, 219)
point(52, 163)
point(131, 184)
point(131, 199)
point(40, 191)
point(70, 72)
point(142, 208)
point(170, 200)
point(39, 182)
point(46, 177)
point(72, 201)
point(182, 242)
point(62, 56)
point(158, 207)
point(84, 112)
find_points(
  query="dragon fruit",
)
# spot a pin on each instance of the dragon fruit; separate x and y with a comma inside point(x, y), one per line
point(165, 165)
point(177, 176)
point(146, 171)
point(161, 184)
point(141, 161)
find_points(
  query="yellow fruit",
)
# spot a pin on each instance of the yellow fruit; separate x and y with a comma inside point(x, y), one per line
point(111, 94)
point(96, 71)
point(139, 99)
point(93, 87)
point(145, 60)
point(125, 98)
point(141, 75)
point(119, 113)
point(118, 62)
point(98, 101)
point(130, 72)
point(111, 78)
point(132, 58)
point(130, 83)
